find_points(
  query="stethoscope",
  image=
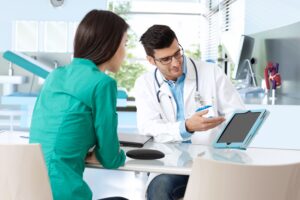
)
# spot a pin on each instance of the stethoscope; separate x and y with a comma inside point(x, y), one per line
point(160, 94)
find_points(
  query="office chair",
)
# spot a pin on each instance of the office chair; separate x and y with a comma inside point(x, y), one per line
point(23, 173)
point(215, 180)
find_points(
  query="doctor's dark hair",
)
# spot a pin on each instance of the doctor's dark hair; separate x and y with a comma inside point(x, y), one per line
point(157, 37)
point(99, 35)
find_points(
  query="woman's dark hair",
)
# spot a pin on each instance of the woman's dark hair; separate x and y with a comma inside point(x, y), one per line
point(99, 35)
point(157, 37)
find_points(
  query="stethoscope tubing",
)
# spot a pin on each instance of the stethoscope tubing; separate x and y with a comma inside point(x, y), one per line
point(159, 85)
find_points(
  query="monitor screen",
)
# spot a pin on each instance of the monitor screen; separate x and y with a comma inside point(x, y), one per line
point(242, 63)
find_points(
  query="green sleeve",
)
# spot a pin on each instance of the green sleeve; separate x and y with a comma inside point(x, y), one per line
point(108, 150)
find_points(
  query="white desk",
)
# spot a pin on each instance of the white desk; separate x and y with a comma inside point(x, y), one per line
point(281, 128)
point(179, 156)
point(13, 137)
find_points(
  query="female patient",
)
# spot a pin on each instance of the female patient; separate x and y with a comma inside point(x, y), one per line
point(76, 109)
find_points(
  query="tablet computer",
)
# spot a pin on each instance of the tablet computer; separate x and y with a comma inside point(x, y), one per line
point(240, 129)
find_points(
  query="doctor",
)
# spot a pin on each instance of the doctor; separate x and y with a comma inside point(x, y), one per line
point(168, 97)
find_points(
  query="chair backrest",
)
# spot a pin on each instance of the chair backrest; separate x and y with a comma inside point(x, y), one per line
point(215, 180)
point(23, 173)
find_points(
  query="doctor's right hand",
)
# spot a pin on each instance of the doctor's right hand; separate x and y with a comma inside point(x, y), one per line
point(198, 122)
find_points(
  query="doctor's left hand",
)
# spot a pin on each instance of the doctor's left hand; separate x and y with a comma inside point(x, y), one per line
point(198, 122)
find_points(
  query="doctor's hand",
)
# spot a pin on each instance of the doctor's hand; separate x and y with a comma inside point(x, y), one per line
point(198, 122)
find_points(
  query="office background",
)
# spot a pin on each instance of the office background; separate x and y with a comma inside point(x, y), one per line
point(275, 25)
point(262, 20)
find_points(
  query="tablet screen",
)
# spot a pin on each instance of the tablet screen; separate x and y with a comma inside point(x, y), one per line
point(238, 127)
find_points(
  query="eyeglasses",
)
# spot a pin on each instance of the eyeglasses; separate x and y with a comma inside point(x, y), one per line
point(167, 60)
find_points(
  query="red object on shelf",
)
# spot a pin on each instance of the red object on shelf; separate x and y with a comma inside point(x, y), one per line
point(272, 75)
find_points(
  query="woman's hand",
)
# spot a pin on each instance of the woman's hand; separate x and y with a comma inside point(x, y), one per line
point(91, 158)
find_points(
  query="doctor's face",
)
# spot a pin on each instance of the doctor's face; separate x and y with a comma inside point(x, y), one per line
point(168, 60)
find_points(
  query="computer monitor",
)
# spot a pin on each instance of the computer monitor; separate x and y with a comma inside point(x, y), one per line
point(243, 70)
point(243, 67)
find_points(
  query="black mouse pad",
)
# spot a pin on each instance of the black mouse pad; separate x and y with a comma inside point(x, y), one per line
point(145, 154)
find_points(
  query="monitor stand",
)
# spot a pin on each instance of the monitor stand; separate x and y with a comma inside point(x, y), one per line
point(251, 90)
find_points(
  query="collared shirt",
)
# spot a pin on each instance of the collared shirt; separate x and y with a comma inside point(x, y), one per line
point(75, 111)
point(176, 88)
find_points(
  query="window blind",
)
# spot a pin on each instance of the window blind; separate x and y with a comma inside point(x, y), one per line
point(220, 17)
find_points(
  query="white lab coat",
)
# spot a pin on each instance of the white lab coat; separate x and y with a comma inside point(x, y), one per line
point(159, 119)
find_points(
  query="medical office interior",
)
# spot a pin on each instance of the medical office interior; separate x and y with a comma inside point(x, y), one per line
point(256, 43)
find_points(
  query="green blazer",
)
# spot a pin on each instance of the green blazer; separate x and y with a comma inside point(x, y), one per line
point(75, 111)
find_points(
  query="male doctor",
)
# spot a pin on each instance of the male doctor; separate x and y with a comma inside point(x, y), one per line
point(181, 100)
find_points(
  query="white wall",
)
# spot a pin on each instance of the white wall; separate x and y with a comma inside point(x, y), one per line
point(262, 15)
point(72, 10)
point(38, 10)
